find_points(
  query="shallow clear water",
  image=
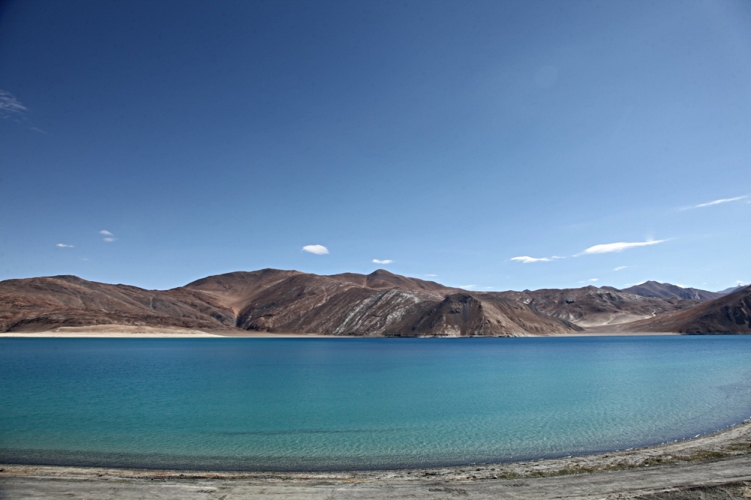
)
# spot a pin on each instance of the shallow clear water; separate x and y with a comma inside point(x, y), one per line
point(298, 404)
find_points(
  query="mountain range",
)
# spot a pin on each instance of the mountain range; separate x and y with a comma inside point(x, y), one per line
point(377, 304)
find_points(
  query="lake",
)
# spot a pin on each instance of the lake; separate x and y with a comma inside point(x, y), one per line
point(327, 404)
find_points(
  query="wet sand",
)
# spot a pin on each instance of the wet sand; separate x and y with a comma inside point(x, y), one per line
point(713, 466)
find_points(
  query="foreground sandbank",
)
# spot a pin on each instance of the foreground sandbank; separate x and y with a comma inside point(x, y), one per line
point(717, 463)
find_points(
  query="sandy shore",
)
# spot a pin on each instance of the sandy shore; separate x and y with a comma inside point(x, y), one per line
point(713, 466)
point(597, 332)
point(119, 331)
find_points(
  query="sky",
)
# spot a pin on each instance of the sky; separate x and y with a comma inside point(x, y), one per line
point(490, 145)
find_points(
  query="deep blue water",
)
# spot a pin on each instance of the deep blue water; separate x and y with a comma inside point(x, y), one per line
point(301, 404)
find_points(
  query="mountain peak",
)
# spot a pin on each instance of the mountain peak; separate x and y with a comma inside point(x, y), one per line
point(669, 291)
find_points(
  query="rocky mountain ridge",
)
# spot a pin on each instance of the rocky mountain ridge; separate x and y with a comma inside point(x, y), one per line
point(269, 300)
point(731, 313)
point(377, 304)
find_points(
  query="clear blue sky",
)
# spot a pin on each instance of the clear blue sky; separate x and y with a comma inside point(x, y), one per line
point(447, 137)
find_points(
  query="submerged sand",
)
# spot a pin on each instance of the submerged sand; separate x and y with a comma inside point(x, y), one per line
point(713, 466)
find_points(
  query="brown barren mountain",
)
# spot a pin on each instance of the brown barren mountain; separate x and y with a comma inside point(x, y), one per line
point(378, 304)
point(668, 291)
point(269, 300)
point(40, 304)
point(592, 306)
point(730, 313)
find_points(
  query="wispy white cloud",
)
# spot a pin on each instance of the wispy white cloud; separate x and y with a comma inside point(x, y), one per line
point(591, 280)
point(467, 287)
point(384, 261)
point(526, 259)
point(108, 236)
point(619, 246)
point(720, 201)
point(431, 275)
point(620, 268)
point(63, 245)
point(10, 107)
point(316, 249)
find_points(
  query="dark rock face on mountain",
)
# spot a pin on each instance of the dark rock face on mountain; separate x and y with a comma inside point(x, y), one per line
point(379, 304)
point(730, 313)
point(668, 291)
point(466, 314)
point(593, 306)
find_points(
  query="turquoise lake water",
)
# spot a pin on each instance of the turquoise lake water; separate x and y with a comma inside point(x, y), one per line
point(318, 404)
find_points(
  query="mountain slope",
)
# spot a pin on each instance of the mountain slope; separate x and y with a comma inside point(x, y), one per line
point(667, 291)
point(592, 306)
point(39, 304)
point(379, 304)
point(730, 313)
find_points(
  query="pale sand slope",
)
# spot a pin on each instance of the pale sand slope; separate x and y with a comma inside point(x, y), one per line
point(122, 331)
point(709, 467)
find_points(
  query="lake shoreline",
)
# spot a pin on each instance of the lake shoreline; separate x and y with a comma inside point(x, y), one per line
point(681, 463)
point(177, 333)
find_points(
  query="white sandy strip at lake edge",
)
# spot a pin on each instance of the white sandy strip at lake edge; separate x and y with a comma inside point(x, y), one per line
point(587, 333)
point(119, 331)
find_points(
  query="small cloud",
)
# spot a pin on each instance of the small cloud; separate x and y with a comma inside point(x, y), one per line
point(431, 275)
point(63, 245)
point(467, 287)
point(620, 268)
point(720, 201)
point(526, 259)
point(594, 279)
point(618, 247)
point(739, 283)
point(108, 237)
point(316, 249)
point(385, 261)
point(591, 280)
point(489, 287)
point(10, 107)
